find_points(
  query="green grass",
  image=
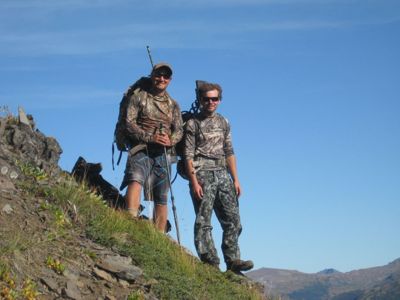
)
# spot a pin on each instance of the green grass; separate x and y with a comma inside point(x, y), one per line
point(12, 242)
point(177, 274)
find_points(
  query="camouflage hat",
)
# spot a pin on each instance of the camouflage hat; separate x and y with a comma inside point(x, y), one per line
point(161, 65)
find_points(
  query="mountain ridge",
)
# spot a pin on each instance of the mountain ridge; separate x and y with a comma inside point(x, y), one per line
point(329, 283)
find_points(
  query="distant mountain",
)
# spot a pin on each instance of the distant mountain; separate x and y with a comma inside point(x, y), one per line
point(388, 289)
point(372, 283)
point(328, 272)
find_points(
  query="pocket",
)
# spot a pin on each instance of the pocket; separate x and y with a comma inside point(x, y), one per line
point(201, 177)
point(159, 168)
point(137, 160)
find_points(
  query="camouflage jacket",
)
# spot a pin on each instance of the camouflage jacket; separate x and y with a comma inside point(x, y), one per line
point(208, 137)
point(145, 114)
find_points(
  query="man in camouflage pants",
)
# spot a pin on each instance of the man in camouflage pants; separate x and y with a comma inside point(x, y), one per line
point(153, 122)
point(214, 183)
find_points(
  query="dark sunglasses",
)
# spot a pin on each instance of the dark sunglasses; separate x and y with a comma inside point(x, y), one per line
point(162, 74)
point(212, 99)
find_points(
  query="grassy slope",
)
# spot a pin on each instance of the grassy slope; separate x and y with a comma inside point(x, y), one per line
point(177, 274)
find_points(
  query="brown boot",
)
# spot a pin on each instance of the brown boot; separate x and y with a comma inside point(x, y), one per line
point(237, 266)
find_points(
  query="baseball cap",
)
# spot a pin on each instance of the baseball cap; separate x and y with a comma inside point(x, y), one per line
point(162, 65)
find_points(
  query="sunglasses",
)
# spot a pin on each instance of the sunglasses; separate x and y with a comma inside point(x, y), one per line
point(212, 99)
point(162, 74)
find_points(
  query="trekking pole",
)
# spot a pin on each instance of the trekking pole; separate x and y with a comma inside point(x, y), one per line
point(170, 190)
point(148, 52)
point(168, 174)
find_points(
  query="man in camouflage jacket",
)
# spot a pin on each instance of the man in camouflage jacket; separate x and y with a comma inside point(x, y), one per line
point(214, 184)
point(152, 121)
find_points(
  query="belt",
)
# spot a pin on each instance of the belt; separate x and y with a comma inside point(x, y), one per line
point(209, 163)
point(150, 150)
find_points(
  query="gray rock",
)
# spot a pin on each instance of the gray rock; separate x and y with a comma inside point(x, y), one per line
point(20, 142)
point(130, 274)
point(13, 175)
point(4, 170)
point(23, 118)
point(123, 283)
point(6, 184)
point(71, 291)
point(71, 274)
point(7, 209)
point(103, 275)
point(50, 283)
point(121, 267)
point(114, 263)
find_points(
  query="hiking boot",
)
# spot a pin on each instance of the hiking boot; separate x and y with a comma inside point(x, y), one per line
point(212, 262)
point(237, 266)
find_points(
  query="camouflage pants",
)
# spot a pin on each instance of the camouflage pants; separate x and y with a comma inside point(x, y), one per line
point(220, 196)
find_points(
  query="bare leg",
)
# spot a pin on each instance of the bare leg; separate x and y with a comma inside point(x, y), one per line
point(160, 216)
point(133, 198)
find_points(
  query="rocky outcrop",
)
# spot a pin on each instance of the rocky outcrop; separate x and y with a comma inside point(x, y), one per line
point(21, 143)
point(62, 264)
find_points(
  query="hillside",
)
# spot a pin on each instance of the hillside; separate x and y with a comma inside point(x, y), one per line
point(60, 240)
point(372, 283)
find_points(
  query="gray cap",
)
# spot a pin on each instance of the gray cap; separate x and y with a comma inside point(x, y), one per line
point(162, 65)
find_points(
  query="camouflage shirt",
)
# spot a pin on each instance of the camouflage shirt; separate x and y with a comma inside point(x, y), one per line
point(146, 113)
point(208, 137)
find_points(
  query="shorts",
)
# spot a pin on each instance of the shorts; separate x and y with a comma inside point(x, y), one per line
point(151, 172)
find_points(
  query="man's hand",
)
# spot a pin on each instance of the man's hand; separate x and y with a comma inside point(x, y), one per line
point(197, 191)
point(162, 139)
point(238, 189)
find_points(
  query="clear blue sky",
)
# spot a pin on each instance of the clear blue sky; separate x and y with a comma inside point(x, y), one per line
point(311, 88)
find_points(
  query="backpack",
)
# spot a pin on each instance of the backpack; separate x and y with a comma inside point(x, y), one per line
point(180, 146)
point(121, 140)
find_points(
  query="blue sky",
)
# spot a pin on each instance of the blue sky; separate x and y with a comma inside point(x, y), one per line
point(311, 89)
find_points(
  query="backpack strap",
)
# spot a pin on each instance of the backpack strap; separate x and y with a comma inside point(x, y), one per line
point(140, 99)
point(224, 122)
point(112, 156)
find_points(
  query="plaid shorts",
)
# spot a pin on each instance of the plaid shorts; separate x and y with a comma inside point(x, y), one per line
point(151, 172)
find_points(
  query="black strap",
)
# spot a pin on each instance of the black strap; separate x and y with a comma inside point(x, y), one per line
point(119, 157)
point(112, 155)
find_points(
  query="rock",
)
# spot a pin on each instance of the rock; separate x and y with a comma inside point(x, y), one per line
point(71, 274)
point(20, 142)
point(51, 284)
point(123, 283)
point(13, 175)
point(4, 170)
point(130, 274)
point(121, 267)
point(103, 275)
point(7, 209)
point(114, 263)
point(23, 118)
point(71, 291)
point(6, 184)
